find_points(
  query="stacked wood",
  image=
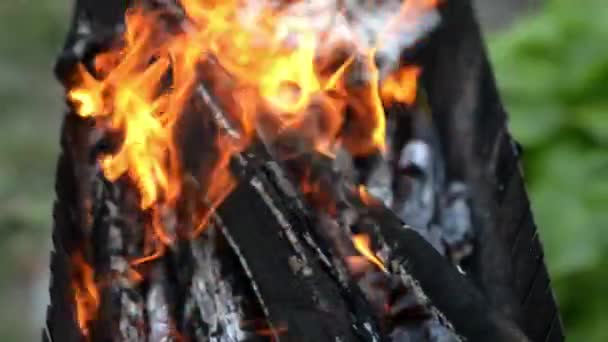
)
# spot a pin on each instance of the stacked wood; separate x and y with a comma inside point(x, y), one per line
point(279, 262)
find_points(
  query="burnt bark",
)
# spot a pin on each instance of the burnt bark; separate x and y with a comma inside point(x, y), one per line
point(508, 259)
point(449, 290)
point(67, 234)
point(307, 305)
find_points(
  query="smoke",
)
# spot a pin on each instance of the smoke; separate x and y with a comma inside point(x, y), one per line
point(388, 26)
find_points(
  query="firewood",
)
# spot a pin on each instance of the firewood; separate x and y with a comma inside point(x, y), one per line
point(67, 234)
point(508, 258)
point(408, 251)
point(273, 259)
point(424, 270)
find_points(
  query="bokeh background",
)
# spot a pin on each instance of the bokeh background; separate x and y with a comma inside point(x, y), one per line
point(551, 63)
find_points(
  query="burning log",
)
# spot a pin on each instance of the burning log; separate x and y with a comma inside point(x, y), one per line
point(411, 257)
point(308, 304)
point(207, 194)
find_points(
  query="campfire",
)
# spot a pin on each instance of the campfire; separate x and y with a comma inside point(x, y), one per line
point(237, 170)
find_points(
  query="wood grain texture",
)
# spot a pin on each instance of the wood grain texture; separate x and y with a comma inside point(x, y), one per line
point(296, 292)
point(72, 186)
point(447, 289)
point(508, 263)
point(67, 236)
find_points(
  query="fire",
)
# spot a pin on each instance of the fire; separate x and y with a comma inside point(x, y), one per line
point(86, 294)
point(362, 244)
point(366, 197)
point(271, 67)
point(401, 86)
point(283, 65)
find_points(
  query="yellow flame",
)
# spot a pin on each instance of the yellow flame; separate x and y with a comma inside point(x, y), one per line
point(362, 244)
point(86, 294)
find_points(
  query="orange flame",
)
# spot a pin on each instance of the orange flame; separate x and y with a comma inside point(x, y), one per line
point(86, 294)
point(366, 197)
point(271, 71)
point(277, 64)
point(401, 86)
point(362, 244)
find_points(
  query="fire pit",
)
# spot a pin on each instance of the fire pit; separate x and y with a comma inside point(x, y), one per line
point(289, 170)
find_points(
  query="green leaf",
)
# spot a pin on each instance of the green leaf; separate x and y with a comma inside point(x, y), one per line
point(564, 189)
point(533, 124)
point(592, 118)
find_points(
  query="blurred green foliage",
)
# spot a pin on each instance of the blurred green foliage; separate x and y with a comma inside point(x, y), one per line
point(552, 69)
point(31, 33)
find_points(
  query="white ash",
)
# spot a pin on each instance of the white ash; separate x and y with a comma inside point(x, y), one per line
point(416, 153)
point(158, 315)
point(219, 308)
point(118, 219)
point(456, 215)
point(387, 26)
point(417, 193)
point(380, 184)
point(115, 240)
point(369, 24)
point(415, 189)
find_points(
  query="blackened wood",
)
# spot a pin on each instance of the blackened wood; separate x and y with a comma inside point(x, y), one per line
point(74, 220)
point(479, 150)
point(464, 306)
point(455, 296)
point(219, 302)
point(314, 227)
point(411, 316)
point(264, 227)
point(92, 23)
point(103, 15)
point(61, 324)
point(457, 95)
point(301, 302)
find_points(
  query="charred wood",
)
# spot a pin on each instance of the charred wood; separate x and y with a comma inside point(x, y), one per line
point(273, 262)
point(408, 251)
point(479, 151)
point(67, 233)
